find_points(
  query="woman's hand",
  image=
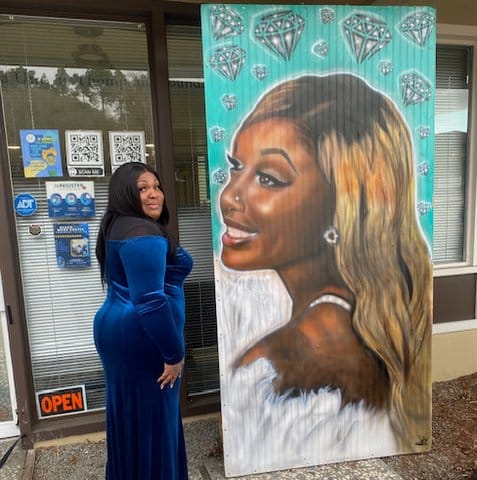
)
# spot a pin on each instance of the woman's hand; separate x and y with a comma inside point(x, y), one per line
point(170, 374)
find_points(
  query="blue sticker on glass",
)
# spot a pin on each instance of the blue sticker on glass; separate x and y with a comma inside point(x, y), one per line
point(25, 204)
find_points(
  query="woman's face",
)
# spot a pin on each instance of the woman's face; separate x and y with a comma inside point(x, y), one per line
point(150, 194)
point(274, 204)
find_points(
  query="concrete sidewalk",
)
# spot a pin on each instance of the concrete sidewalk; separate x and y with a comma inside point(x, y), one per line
point(85, 458)
point(13, 468)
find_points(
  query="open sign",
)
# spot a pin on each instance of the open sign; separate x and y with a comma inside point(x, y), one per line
point(61, 401)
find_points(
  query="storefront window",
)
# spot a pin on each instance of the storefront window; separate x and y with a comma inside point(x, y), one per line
point(193, 204)
point(76, 98)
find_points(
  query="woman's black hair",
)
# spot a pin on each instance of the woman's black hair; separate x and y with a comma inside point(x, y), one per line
point(124, 200)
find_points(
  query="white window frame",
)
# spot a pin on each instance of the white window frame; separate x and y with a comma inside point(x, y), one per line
point(464, 35)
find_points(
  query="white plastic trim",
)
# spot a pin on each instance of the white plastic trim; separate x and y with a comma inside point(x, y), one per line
point(457, 326)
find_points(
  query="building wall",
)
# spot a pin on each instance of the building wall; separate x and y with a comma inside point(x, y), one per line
point(453, 355)
point(459, 12)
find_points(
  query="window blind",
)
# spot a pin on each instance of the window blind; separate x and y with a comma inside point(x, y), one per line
point(60, 303)
point(190, 163)
point(450, 162)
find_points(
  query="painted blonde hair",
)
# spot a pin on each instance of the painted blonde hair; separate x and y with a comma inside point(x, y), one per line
point(364, 150)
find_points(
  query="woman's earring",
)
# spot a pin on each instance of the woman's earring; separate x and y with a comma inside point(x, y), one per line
point(331, 236)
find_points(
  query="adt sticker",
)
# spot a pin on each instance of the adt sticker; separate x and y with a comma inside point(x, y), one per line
point(25, 204)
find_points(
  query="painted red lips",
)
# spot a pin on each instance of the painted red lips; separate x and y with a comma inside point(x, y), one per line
point(237, 234)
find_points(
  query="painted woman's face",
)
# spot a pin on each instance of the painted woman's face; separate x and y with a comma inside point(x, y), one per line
point(150, 193)
point(274, 204)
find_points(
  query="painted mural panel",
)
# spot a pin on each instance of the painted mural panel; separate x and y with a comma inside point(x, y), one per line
point(320, 137)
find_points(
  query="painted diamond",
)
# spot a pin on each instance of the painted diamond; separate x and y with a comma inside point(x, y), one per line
point(423, 168)
point(327, 15)
point(418, 26)
point(229, 101)
point(219, 176)
point(366, 35)
point(414, 89)
point(228, 61)
point(423, 131)
point(320, 48)
point(217, 134)
point(260, 71)
point(280, 32)
point(225, 21)
point(385, 67)
point(424, 207)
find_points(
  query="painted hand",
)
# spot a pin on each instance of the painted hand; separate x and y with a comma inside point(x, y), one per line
point(321, 350)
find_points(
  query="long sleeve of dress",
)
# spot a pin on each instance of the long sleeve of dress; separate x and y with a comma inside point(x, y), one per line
point(144, 262)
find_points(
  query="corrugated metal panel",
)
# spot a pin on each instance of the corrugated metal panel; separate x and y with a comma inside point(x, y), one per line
point(324, 118)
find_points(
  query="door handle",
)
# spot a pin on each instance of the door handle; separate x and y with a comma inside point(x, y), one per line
point(9, 315)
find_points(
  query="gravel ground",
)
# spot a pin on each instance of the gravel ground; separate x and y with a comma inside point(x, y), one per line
point(453, 455)
point(85, 461)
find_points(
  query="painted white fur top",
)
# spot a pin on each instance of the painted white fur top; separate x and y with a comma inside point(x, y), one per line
point(263, 431)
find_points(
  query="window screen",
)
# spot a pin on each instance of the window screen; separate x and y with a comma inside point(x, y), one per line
point(451, 125)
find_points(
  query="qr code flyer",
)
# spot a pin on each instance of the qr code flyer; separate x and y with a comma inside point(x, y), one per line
point(126, 147)
point(84, 153)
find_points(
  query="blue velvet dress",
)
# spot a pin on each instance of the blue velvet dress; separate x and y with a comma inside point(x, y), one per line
point(138, 328)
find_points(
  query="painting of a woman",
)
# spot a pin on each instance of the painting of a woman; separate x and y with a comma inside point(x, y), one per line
point(322, 193)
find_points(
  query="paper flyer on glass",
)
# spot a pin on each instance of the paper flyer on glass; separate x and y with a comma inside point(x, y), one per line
point(70, 199)
point(126, 147)
point(72, 245)
point(41, 153)
point(84, 153)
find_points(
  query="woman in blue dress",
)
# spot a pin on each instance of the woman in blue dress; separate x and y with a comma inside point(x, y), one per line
point(139, 328)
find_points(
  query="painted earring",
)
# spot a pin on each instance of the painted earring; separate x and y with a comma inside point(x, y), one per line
point(331, 236)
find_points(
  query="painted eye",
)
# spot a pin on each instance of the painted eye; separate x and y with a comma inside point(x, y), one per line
point(270, 181)
point(235, 164)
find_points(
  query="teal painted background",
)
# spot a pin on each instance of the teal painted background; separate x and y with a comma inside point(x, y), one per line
point(322, 48)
